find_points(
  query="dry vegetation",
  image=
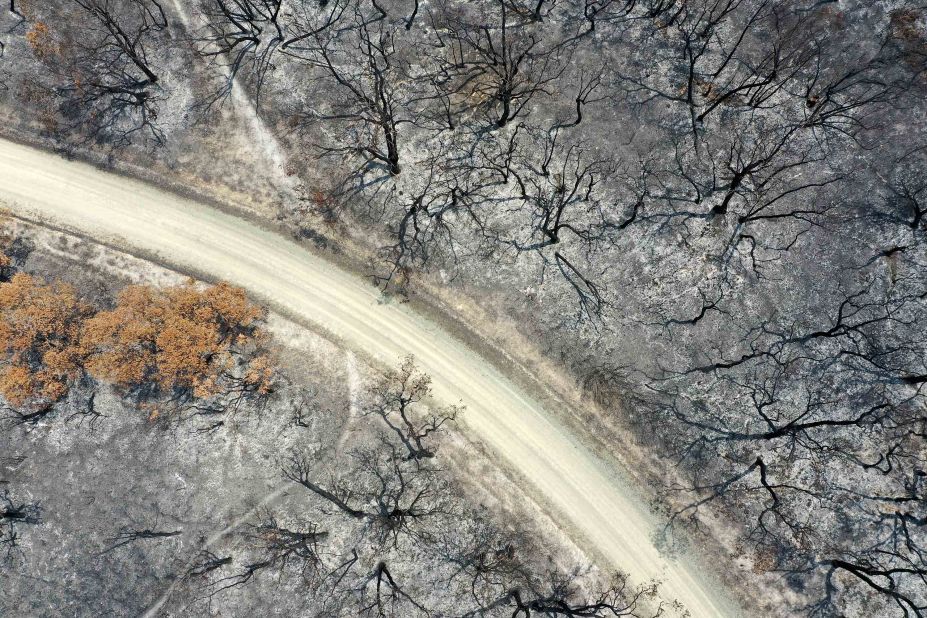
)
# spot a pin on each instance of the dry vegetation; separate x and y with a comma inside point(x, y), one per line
point(40, 328)
point(172, 345)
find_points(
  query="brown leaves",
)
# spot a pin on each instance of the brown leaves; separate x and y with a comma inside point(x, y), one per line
point(39, 340)
point(182, 341)
point(42, 42)
point(260, 374)
point(179, 338)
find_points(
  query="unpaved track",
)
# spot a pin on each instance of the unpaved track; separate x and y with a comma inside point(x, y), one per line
point(576, 487)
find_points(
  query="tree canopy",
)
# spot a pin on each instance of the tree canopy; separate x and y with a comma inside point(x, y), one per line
point(178, 342)
point(39, 340)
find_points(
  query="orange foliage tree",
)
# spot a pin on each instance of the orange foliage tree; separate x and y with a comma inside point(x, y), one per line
point(39, 340)
point(179, 341)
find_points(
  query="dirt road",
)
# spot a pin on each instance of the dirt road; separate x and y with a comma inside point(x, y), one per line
point(574, 485)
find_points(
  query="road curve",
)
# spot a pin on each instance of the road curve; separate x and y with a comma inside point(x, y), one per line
point(576, 487)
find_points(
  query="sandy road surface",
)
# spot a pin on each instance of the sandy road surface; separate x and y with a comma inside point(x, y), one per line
point(575, 486)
